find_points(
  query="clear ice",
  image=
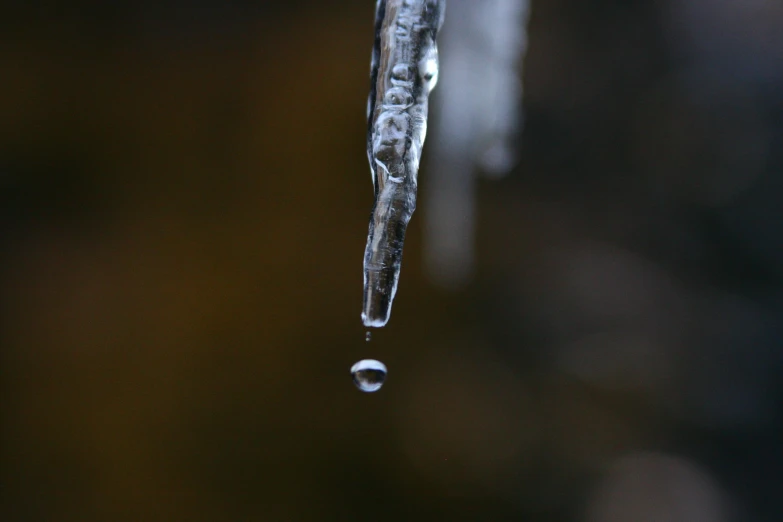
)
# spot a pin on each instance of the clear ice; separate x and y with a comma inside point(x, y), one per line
point(369, 375)
point(477, 121)
point(404, 70)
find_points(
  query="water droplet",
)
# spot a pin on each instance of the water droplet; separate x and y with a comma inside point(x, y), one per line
point(401, 74)
point(368, 336)
point(368, 375)
point(428, 67)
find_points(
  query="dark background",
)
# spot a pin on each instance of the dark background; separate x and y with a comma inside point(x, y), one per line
point(184, 197)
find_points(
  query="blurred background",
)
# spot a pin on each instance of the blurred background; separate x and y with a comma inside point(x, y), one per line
point(184, 200)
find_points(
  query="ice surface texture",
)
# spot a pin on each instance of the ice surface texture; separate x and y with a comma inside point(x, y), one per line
point(404, 70)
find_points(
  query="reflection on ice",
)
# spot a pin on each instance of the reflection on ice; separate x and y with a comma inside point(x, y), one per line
point(404, 70)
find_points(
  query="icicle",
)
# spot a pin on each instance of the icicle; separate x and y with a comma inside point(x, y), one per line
point(404, 71)
point(476, 122)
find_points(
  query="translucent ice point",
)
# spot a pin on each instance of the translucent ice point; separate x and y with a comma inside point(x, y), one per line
point(404, 70)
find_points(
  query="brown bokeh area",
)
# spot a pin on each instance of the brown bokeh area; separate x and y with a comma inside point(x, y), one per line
point(184, 210)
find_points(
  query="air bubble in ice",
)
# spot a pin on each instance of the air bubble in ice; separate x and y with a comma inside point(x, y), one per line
point(401, 74)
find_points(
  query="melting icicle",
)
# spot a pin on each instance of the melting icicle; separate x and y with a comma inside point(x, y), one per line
point(476, 123)
point(404, 70)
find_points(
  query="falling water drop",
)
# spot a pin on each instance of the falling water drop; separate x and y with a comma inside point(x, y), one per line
point(368, 375)
point(368, 336)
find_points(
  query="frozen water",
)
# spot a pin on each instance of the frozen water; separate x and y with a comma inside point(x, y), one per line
point(368, 375)
point(477, 118)
point(404, 70)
